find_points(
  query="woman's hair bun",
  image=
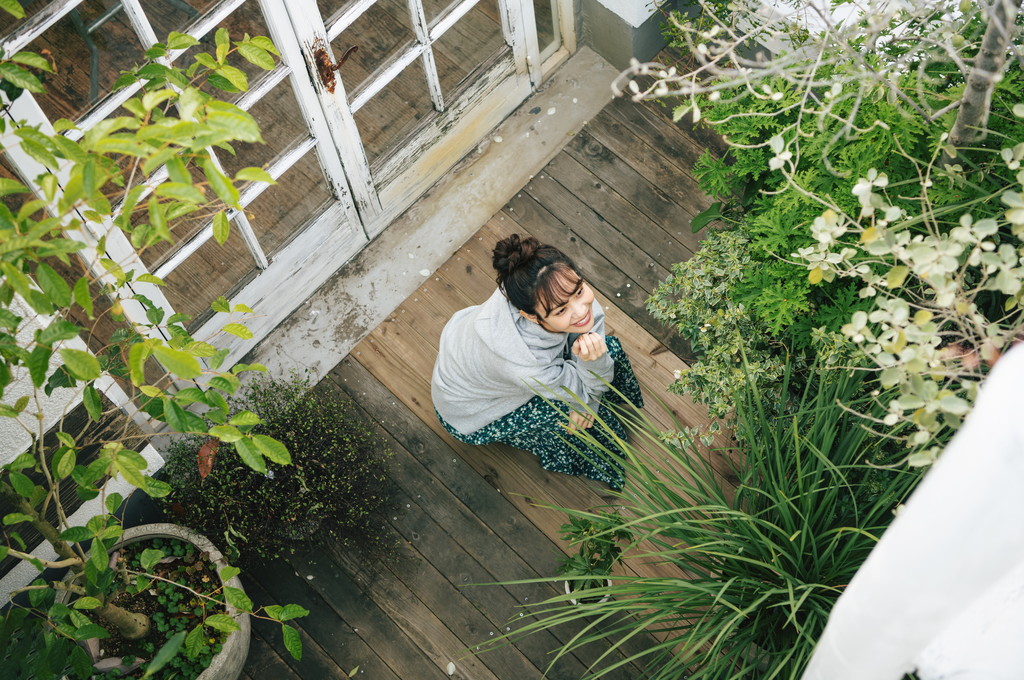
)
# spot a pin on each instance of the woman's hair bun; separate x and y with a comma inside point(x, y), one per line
point(512, 253)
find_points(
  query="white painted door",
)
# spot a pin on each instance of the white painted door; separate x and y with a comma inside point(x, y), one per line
point(351, 141)
point(410, 86)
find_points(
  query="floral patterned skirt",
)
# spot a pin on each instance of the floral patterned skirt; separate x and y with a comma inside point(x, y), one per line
point(538, 426)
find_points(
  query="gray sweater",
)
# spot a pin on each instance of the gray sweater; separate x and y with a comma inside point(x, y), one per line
point(492, 361)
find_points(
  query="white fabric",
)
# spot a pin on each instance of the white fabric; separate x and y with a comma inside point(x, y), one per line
point(960, 533)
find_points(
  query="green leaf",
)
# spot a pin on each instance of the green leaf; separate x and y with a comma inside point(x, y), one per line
point(76, 534)
point(221, 228)
point(16, 518)
point(180, 41)
point(250, 455)
point(32, 59)
point(114, 501)
point(229, 572)
point(166, 653)
point(255, 54)
point(13, 7)
point(149, 278)
point(83, 298)
point(181, 364)
point(81, 364)
point(221, 304)
point(223, 186)
point(91, 399)
point(264, 42)
point(292, 611)
point(254, 175)
point(190, 395)
point(233, 120)
point(149, 558)
point(194, 642)
point(20, 77)
point(244, 418)
point(53, 284)
point(272, 449)
point(175, 416)
point(225, 382)
point(137, 355)
point(237, 598)
point(292, 642)
point(22, 484)
point(223, 44)
point(86, 602)
point(238, 330)
point(91, 630)
point(39, 364)
point(181, 192)
point(64, 462)
point(226, 433)
point(701, 219)
point(221, 622)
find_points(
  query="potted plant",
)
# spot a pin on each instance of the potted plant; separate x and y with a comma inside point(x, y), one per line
point(336, 488)
point(139, 172)
point(597, 538)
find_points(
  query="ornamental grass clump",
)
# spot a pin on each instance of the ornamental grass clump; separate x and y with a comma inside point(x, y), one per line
point(761, 561)
point(336, 488)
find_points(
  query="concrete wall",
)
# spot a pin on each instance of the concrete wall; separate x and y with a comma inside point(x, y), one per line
point(620, 30)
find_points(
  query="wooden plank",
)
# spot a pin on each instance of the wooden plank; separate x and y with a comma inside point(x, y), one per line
point(276, 583)
point(341, 594)
point(484, 537)
point(659, 245)
point(596, 230)
point(657, 132)
point(392, 609)
point(264, 662)
point(675, 181)
point(627, 182)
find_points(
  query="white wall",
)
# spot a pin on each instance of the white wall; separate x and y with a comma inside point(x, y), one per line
point(14, 439)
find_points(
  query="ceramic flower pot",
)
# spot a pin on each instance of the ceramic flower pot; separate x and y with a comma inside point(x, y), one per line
point(584, 600)
point(228, 663)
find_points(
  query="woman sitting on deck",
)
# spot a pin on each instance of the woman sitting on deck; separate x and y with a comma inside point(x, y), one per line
point(511, 370)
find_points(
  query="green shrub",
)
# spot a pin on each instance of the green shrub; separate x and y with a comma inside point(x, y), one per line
point(336, 488)
point(762, 563)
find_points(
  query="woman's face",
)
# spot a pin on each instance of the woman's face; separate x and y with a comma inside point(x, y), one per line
point(575, 315)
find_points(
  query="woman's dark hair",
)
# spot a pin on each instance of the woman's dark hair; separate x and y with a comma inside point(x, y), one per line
point(531, 273)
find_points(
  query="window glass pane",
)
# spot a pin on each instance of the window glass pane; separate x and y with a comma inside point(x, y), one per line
point(280, 212)
point(210, 272)
point(12, 201)
point(545, 13)
point(392, 114)
point(379, 34)
point(245, 19)
point(8, 24)
point(466, 45)
point(89, 47)
point(281, 123)
point(173, 15)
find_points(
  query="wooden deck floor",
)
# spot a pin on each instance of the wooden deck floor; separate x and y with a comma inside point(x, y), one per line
point(618, 198)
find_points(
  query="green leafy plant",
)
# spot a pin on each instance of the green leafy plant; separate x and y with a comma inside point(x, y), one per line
point(760, 562)
point(597, 539)
point(336, 487)
point(139, 172)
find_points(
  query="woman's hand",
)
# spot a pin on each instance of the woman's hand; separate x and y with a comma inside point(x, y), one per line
point(589, 346)
point(579, 420)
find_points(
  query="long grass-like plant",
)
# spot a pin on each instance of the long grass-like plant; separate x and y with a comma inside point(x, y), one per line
point(760, 562)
